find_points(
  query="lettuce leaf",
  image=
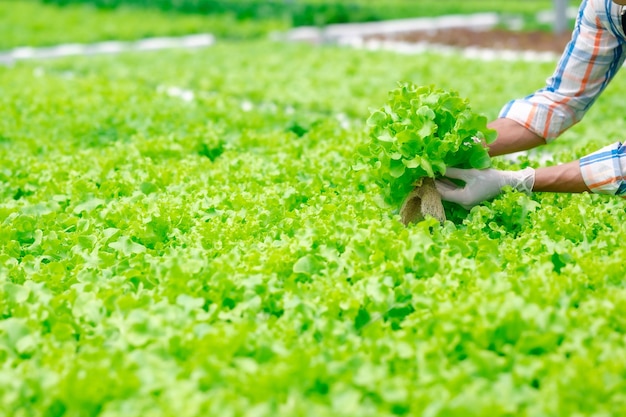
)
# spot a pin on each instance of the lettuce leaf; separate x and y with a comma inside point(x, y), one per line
point(419, 132)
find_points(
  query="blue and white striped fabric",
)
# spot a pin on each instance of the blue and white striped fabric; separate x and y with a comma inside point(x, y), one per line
point(591, 59)
point(604, 171)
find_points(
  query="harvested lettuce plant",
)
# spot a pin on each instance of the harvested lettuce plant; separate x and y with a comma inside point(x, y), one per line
point(418, 133)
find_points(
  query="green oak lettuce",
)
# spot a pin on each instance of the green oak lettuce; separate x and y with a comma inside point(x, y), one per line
point(419, 132)
point(162, 257)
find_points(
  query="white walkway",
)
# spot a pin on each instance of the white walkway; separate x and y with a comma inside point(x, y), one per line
point(339, 32)
point(109, 47)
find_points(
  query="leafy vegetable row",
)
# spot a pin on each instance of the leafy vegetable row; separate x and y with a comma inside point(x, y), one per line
point(214, 253)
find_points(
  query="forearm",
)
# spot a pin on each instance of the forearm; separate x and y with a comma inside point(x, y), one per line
point(512, 137)
point(566, 178)
point(601, 172)
point(589, 62)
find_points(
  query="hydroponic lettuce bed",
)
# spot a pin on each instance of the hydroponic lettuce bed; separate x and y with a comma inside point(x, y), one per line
point(182, 233)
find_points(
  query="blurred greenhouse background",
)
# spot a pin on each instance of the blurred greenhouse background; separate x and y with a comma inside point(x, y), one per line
point(50, 22)
point(319, 12)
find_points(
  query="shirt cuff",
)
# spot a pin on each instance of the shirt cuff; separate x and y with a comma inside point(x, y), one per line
point(604, 171)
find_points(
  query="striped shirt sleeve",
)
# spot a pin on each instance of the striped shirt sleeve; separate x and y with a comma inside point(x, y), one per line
point(590, 61)
point(604, 171)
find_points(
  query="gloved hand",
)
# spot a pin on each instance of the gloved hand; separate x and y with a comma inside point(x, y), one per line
point(482, 184)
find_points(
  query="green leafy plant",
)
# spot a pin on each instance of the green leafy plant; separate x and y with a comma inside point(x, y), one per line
point(419, 132)
point(162, 256)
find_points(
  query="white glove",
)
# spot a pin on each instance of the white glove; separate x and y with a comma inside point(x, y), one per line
point(482, 184)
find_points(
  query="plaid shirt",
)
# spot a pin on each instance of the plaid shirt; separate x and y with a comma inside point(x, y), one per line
point(591, 59)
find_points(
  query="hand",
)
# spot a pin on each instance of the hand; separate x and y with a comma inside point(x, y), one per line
point(482, 184)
